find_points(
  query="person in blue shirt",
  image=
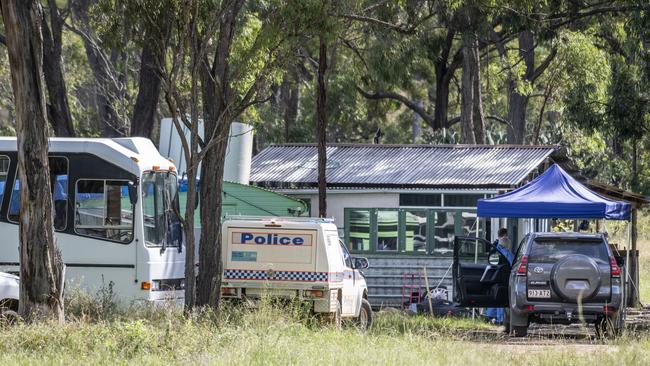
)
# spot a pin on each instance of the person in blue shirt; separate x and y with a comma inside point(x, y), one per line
point(501, 245)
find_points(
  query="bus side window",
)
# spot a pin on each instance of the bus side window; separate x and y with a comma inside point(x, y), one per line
point(59, 188)
point(103, 210)
point(4, 170)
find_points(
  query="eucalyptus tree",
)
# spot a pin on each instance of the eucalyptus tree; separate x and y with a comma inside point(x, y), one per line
point(223, 56)
point(41, 267)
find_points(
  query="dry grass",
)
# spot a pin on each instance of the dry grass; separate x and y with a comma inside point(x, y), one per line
point(97, 332)
point(273, 335)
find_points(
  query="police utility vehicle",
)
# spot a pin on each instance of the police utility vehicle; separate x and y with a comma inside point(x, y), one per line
point(298, 258)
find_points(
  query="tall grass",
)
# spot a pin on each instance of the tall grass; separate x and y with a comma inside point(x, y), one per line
point(277, 334)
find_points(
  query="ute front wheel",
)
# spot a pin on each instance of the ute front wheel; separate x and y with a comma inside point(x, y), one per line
point(364, 320)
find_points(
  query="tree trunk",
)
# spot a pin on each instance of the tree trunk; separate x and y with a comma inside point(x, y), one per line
point(58, 107)
point(41, 270)
point(218, 98)
point(190, 240)
point(152, 62)
point(444, 72)
point(322, 128)
point(146, 104)
point(106, 79)
point(442, 96)
point(467, 92)
point(478, 118)
point(634, 181)
point(518, 103)
point(290, 96)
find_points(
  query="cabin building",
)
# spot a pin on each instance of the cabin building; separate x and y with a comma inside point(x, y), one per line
point(402, 205)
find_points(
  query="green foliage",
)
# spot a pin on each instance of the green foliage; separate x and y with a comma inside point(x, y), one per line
point(592, 98)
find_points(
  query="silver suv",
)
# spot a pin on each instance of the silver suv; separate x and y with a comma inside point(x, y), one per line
point(558, 278)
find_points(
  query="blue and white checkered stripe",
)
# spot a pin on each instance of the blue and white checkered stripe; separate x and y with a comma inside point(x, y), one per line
point(243, 274)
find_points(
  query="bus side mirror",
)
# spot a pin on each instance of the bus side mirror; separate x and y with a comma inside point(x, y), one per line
point(196, 199)
point(133, 193)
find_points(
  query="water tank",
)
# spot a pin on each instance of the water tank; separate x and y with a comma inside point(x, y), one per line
point(238, 156)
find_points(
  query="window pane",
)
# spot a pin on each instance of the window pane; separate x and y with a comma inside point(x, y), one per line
point(462, 200)
point(419, 199)
point(469, 224)
point(387, 230)
point(550, 251)
point(103, 210)
point(14, 204)
point(160, 206)
point(4, 170)
point(59, 188)
point(473, 250)
point(154, 211)
point(59, 178)
point(359, 229)
point(416, 231)
point(444, 232)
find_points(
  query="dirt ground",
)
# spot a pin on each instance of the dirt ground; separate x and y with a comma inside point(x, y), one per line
point(575, 337)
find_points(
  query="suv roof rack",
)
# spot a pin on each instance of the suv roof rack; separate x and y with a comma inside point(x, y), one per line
point(280, 218)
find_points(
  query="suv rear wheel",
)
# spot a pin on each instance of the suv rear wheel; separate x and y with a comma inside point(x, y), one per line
point(519, 331)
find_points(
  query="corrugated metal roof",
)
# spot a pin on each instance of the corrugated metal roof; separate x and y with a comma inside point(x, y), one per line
point(365, 165)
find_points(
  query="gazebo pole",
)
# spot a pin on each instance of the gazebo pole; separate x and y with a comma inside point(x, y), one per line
point(634, 265)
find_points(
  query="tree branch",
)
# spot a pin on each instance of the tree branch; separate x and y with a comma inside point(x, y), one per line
point(3, 39)
point(455, 120)
point(400, 28)
point(542, 67)
point(499, 119)
point(400, 98)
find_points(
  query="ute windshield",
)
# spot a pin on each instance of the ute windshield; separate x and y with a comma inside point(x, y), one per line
point(160, 209)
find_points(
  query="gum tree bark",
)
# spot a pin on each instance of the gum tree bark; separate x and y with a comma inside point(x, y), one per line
point(152, 61)
point(58, 108)
point(218, 117)
point(109, 83)
point(289, 98)
point(41, 270)
point(467, 93)
point(322, 128)
point(518, 103)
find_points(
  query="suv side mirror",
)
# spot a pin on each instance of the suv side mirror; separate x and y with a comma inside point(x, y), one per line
point(361, 263)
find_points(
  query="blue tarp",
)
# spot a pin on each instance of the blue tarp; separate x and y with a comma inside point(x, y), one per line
point(554, 194)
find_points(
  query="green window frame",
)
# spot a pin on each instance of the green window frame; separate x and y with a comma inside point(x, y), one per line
point(360, 239)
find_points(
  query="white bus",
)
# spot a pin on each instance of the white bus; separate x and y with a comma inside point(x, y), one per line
point(115, 216)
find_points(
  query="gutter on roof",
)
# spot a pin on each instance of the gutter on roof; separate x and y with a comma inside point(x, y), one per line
point(425, 146)
point(277, 185)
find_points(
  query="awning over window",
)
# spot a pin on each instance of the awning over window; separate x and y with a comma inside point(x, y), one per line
point(554, 194)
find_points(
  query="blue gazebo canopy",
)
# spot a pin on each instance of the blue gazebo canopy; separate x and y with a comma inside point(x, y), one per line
point(554, 194)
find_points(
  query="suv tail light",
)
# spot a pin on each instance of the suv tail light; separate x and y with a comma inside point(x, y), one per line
point(522, 270)
point(616, 270)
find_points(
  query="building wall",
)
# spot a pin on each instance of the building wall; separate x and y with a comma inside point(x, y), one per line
point(338, 201)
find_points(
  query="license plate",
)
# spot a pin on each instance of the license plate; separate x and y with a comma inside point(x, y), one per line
point(544, 294)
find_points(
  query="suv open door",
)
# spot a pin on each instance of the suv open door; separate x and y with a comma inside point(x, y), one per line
point(480, 273)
